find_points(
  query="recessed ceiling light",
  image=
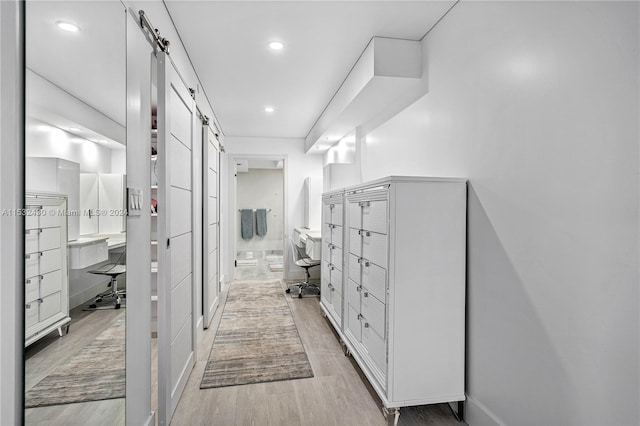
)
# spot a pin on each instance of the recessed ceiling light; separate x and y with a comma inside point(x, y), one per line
point(269, 109)
point(276, 45)
point(67, 26)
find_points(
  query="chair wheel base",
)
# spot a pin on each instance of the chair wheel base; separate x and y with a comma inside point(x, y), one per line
point(299, 295)
point(93, 306)
point(117, 306)
point(288, 291)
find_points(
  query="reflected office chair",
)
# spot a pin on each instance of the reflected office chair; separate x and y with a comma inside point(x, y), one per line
point(301, 259)
point(112, 270)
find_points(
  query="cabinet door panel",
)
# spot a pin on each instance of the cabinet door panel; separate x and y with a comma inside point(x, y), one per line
point(353, 310)
point(336, 278)
point(31, 314)
point(325, 292)
point(50, 306)
point(326, 233)
point(374, 216)
point(354, 268)
point(52, 220)
point(355, 215)
point(336, 236)
point(51, 283)
point(50, 261)
point(336, 302)
point(355, 242)
point(31, 238)
point(32, 265)
point(49, 238)
point(31, 289)
point(336, 214)
point(374, 279)
point(374, 248)
point(374, 312)
point(326, 212)
point(376, 347)
point(336, 257)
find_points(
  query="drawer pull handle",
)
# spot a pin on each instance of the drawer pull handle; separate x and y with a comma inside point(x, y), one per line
point(366, 325)
point(364, 204)
point(365, 294)
point(331, 206)
point(359, 288)
point(40, 300)
point(41, 277)
point(366, 263)
point(330, 285)
point(30, 231)
point(27, 306)
point(28, 281)
point(29, 256)
point(367, 234)
point(360, 316)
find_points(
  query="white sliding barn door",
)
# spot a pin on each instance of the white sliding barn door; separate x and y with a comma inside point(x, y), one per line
point(210, 288)
point(176, 333)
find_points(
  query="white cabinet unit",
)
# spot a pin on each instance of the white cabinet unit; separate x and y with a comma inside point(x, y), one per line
point(46, 277)
point(331, 281)
point(404, 287)
point(47, 174)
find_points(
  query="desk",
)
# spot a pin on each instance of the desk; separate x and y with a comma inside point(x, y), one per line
point(310, 240)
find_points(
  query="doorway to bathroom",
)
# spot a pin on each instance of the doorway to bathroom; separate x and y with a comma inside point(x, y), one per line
point(260, 218)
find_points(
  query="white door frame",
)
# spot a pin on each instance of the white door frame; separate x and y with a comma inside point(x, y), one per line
point(233, 210)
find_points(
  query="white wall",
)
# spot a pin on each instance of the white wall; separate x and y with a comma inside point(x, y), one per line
point(262, 189)
point(536, 103)
point(298, 167)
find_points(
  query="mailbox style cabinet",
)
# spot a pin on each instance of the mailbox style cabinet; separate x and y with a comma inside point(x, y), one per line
point(46, 276)
point(403, 286)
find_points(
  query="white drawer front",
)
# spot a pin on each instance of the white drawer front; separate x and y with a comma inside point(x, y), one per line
point(336, 235)
point(374, 279)
point(336, 278)
point(373, 311)
point(354, 268)
point(32, 265)
point(326, 252)
point(374, 216)
point(51, 283)
point(355, 242)
point(49, 238)
point(31, 221)
point(31, 289)
point(326, 233)
point(52, 220)
point(336, 214)
point(374, 248)
point(355, 215)
point(353, 309)
point(50, 306)
point(326, 212)
point(336, 257)
point(50, 261)
point(376, 347)
point(31, 238)
point(31, 314)
point(336, 302)
point(325, 292)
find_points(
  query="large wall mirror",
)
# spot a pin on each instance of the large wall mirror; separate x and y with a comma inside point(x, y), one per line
point(75, 230)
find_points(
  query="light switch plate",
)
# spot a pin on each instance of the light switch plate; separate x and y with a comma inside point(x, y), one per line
point(135, 201)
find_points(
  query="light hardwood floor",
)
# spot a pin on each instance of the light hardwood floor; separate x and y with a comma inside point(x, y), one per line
point(338, 394)
point(45, 355)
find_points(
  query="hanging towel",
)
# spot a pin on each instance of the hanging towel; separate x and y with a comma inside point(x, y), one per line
point(261, 222)
point(246, 224)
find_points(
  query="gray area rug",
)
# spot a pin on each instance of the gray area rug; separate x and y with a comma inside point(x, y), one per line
point(257, 340)
point(95, 373)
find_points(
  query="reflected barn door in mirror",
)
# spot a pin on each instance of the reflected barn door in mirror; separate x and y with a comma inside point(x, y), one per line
point(74, 137)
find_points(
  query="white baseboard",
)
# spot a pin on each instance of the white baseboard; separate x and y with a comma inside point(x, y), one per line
point(477, 414)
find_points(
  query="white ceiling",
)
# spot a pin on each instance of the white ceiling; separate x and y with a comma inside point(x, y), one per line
point(227, 43)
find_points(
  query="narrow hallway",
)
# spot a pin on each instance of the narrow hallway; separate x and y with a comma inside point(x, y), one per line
point(336, 395)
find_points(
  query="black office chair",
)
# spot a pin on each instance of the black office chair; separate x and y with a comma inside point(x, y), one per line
point(301, 259)
point(112, 270)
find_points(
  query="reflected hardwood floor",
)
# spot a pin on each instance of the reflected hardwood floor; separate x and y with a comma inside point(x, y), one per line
point(338, 394)
point(45, 355)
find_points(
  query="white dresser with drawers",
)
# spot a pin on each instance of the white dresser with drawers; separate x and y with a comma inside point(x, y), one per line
point(403, 286)
point(331, 276)
point(46, 274)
